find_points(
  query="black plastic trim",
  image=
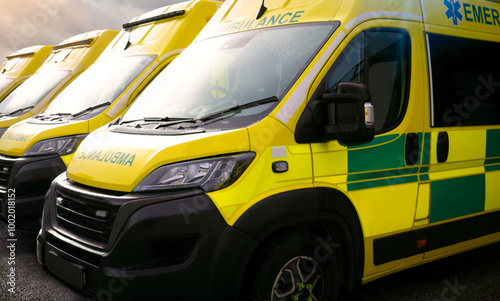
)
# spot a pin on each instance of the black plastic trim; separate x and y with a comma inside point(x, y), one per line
point(179, 238)
point(443, 147)
point(404, 245)
point(412, 149)
point(325, 206)
point(31, 178)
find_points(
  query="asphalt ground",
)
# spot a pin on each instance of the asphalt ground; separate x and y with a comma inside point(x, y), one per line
point(474, 275)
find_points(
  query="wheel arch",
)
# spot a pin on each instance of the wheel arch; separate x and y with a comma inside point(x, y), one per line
point(326, 209)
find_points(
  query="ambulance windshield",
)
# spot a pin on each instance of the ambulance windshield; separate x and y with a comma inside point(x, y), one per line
point(231, 71)
point(32, 91)
point(5, 81)
point(101, 83)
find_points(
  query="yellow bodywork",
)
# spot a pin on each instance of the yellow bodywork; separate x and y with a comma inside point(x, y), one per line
point(73, 55)
point(21, 64)
point(162, 39)
point(388, 201)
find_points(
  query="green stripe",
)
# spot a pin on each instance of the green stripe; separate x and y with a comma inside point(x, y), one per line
point(492, 168)
point(424, 169)
point(424, 178)
point(492, 143)
point(381, 174)
point(376, 141)
point(457, 197)
point(426, 149)
point(491, 161)
point(381, 183)
point(380, 157)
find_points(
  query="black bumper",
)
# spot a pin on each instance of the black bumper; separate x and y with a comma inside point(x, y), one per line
point(161, 246)
point(28, 179)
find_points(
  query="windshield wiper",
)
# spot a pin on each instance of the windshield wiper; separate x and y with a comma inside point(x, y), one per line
point(59, 114)
point(16, 111)
point(239, 107)
point(165, 119)
point(168, 121)
point(90, 109)
point(42, 115)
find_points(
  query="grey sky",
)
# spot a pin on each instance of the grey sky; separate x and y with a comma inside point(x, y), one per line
point(27, 23)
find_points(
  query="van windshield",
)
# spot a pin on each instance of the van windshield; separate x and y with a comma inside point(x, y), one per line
point(32, 91)
point(102, 83)
point(230, 71)
point(5, 81)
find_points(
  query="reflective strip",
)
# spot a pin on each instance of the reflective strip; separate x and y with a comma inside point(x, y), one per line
point(375, 14)
point(278, 152)
point(166, 55)
point(431, 85)
point(290, 107)
point(423, 10)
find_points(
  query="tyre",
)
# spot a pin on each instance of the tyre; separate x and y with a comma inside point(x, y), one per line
point(294, 266)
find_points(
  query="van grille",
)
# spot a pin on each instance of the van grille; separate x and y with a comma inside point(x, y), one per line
point(75, 251)
point(5, 169)
point(89, 219)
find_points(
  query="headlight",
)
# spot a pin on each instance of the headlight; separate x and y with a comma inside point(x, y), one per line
point(62, 146)
point(2, 131)
point(208, 174)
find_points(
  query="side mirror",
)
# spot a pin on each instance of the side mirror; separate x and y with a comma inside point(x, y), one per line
point(347, 116)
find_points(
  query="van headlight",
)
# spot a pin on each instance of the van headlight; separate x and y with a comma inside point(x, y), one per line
point(208, 174)
point(62, 146)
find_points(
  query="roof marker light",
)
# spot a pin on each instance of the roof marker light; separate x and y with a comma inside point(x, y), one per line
point(156, 18)
point(85, 42)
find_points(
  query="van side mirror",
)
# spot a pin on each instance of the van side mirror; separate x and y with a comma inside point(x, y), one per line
point(347, 116)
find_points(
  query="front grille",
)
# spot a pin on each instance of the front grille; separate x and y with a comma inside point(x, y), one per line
point(90, 219)
point(5, 170)
point(75, 251)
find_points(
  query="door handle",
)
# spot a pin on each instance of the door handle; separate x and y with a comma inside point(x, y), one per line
point(412, 149)
point(443, 147)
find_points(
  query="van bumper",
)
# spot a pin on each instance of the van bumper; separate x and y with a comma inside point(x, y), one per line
point(26, 181)
point(168, 246)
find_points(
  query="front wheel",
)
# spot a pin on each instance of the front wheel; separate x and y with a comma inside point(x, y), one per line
point(296, 267)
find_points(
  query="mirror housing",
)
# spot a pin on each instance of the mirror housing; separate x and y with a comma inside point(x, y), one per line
point(347, 117)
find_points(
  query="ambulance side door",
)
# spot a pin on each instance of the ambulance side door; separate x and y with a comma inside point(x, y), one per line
point(380, 177)
point(465, 138)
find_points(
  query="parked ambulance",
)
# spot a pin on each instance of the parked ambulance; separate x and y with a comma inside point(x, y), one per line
point(20, 65)
point(295, 150)
point(65, 63)
point(140, 51)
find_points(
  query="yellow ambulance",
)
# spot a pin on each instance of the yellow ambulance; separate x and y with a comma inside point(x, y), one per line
point(20, 65)
point(65, 63)
point(295, 150)
point(139, 52)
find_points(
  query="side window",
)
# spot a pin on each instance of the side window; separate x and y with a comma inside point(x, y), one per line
point(380, 59)
point(465, 81)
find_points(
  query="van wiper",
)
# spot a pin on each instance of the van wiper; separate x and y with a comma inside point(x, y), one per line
point(42, 115)
point(16, 111)
point(90, 109)
point(239, 107)
point(166, 119)
point(60, 114)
